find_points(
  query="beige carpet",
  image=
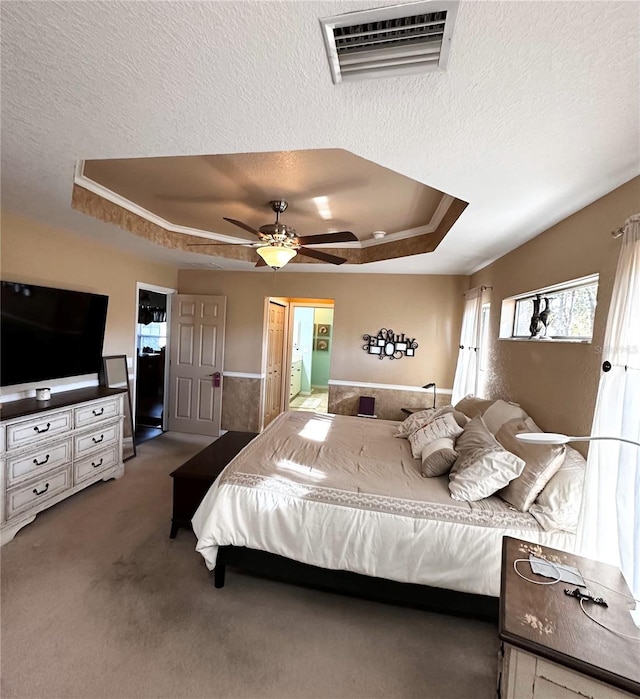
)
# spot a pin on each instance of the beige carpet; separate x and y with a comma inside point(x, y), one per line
point(97, 601)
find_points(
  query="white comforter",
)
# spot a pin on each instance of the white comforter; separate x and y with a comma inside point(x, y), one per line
point(342, 493)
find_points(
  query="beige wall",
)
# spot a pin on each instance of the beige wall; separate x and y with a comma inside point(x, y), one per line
point(39, 254)
point(557, 382)
point(428, 308)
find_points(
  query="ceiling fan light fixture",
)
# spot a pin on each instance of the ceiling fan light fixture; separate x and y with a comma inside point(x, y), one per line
point(276, 256)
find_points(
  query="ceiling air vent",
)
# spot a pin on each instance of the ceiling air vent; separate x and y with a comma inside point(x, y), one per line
point(389, 40)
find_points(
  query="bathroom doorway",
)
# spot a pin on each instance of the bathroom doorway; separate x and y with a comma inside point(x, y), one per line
point(311, 337)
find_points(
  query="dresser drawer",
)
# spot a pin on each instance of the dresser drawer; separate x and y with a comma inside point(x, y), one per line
point(35, 462)
point(96, 412)
point(1, 438)
point(37, 430)
point(96, 440)
point(26, 497)
point(86, 468)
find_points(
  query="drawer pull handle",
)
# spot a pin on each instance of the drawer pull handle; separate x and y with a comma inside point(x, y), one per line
point(97, 441)
point(98, 464)
point(98, 413)
point(41, 492)
point(40, 463)
point(46, 429)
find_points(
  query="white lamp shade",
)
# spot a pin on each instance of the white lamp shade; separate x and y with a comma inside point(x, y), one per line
point(554, 438)
point(542, 438)
point(276, 256)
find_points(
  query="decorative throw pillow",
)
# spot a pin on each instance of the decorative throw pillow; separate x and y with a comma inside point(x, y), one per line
point(541, 462)
point(458, 416)
point(500, 412)
point(414, 422)
point(558, 505)
point(438, 457)
point(483, 466)
point(443, 426)
point(472, 406)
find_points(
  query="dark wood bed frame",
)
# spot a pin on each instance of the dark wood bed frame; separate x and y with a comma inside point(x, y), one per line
point(275, 567)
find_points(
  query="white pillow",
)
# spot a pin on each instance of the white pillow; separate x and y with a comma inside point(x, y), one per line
point(558, 505)
point(442, 426)
point(438, 457)
point(483, 467)
point(414, 422)
point(500, 412)
point(541, 462)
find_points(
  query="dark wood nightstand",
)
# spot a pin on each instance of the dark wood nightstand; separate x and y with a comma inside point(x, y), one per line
point(192, 480)
point(550, 648)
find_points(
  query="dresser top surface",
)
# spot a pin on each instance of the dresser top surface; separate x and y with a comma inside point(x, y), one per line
point(545, 621)
point(29, 406)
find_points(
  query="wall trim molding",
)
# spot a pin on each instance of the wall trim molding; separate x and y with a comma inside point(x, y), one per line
point(243, 375)
point(387, 386)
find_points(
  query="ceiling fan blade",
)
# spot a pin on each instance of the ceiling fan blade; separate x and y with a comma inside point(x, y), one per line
point(322, 256)
point(339, 237)
point(244, 226)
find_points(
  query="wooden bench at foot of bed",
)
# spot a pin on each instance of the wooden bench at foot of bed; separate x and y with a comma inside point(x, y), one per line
point(276, 567)
point(192, 480)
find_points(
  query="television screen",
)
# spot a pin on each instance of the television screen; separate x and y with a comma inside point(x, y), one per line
point(49, 333)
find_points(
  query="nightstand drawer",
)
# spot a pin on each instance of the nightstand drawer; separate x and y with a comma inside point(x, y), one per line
point(32, 464)
point(29, 496)
point(96, 412)
point(95, 440)
point(86, 468)
point(38, 429)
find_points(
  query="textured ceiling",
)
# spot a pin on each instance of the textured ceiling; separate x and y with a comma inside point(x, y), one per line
point(536, 115)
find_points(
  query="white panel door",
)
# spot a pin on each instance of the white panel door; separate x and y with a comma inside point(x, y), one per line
point(196, 359)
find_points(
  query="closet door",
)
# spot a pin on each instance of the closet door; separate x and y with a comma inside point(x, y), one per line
point(275, 360)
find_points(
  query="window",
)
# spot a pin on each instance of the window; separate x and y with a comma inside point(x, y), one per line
point(152, 337)
point(565, 311)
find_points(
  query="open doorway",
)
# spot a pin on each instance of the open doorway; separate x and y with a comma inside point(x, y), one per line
point(311, 336)
point(151, 345)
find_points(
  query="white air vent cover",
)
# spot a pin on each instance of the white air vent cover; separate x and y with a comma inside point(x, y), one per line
point(389, 40)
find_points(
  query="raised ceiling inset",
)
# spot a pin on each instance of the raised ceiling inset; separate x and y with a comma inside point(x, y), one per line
point(177, 201)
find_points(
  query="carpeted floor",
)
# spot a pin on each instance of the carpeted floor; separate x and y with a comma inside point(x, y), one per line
point(97, 601)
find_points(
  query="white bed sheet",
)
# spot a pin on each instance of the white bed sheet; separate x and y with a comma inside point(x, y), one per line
point(342, 493)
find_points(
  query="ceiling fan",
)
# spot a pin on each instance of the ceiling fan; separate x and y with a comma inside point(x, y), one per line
point(279, 243)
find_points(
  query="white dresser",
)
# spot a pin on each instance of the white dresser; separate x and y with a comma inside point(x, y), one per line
point(51, 450)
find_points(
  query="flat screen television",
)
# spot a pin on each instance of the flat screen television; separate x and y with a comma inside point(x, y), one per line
point(49, 333)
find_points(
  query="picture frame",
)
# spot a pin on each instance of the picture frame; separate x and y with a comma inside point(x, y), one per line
point(323, 330)
point(115, 374)
point(321, 345)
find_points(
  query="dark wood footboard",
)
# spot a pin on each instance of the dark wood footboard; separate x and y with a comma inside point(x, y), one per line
point(275, 567)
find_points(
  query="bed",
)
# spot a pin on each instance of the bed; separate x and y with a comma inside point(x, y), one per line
point(341, 493)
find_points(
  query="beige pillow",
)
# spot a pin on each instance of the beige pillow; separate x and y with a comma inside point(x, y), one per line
point(472, 406)
point(558, 505)
point(483, 467)
point(438, 457)
point(541, 462)
point(414, 422)
point(458, 415)
point(443, 426)
point(500, 412)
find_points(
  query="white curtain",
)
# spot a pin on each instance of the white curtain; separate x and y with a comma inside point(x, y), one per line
point(610, 519)
point(466, 378)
